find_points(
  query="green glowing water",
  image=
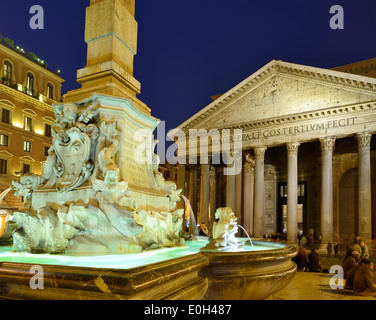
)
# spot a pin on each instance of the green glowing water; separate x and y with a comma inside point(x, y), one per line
point(121, 261)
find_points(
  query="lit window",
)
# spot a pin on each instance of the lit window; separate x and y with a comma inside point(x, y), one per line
point(30, 84)
point(50, 91)
point(28, 126)
point(3, 166)
point(4, 140)
point(8, 70)
point(27, 146)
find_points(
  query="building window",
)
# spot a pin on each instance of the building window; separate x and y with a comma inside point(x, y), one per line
point(4, 140)
point(27, 146)
point(28, 125)
point(3, 166)
point(50, 91)
point(46, 151)
point(8, 70)
point(47, 130)
point(5, 116)
point(30, 84)
point(25, 168)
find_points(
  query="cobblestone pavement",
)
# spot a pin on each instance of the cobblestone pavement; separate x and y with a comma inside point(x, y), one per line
point(315, 286)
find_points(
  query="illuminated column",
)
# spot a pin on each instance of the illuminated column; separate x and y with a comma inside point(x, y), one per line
point(213, 194)
point(230, 186)
point(364, 186)
point(292, 192)
point(327, 147)
point(259, 206)
point(248, 194)
point(239, 189)
point(181, 184)
point(205, 191)
point(230, 192)
point(193, 193)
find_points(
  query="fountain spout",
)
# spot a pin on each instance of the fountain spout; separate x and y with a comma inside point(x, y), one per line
point(249, 238)
point(192, 220)
point(4, 194)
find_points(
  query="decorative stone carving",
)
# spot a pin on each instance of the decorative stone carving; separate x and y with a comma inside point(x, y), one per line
point(224, 231)
point(327, 144)
point(364, 139)
point(81, 203)
point(27, 185)
point(249, 166)
point(260, 152)
point(292, 147)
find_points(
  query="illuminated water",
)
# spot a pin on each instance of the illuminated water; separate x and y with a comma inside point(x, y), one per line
point(121, 261)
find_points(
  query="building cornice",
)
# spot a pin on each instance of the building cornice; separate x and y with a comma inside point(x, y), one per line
point(25, 97)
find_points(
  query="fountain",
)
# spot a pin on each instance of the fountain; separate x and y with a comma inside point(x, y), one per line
point(99, 215)
point(101, 222)
point(6, 224)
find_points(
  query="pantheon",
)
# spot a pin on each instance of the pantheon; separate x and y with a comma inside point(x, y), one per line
point(308, 159)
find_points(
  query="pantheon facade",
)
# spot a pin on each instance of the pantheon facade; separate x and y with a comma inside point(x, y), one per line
point(307, 157)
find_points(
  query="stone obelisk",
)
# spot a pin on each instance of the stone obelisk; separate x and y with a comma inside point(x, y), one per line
point(111, 37)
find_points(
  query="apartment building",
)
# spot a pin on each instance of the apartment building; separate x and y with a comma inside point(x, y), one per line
point(27, 91)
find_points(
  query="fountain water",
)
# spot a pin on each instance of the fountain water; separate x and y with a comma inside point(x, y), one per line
point(249, 238)
point(192, 220)
point(5, 193)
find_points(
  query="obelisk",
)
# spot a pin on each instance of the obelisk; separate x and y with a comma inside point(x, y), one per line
point(111, 37)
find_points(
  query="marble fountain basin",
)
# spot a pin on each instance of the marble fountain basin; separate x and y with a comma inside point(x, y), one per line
point(179, 273)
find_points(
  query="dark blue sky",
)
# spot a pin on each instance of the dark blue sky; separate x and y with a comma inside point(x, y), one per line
point(191, 50)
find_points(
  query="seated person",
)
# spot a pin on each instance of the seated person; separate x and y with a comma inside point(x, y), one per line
point(363, 279)
point(301, 259)
point(314, 261)
point(350, 262)
point(350, 275)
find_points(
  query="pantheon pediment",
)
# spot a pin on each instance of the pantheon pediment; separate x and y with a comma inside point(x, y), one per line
point(281, 92)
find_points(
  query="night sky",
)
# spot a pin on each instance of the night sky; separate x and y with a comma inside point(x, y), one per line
point(191, 50)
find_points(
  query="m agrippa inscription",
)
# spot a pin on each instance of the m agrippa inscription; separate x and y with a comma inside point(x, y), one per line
point(298, 129)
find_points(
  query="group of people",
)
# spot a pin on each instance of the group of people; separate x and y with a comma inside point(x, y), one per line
point(307, 262)
point(358, 269)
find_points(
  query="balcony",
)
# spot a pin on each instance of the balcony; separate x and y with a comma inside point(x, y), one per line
point(22, 88)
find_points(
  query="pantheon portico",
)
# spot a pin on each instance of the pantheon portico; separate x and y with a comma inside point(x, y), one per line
point(307, 158)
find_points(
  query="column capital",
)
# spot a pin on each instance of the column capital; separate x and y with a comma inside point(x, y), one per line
point(249, 165)
point(364, 139)
point(260, 152)
point(292, 147)
point(327, 143)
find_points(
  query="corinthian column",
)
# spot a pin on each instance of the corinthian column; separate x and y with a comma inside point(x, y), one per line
point(259, 205)
point(327, 147)
point(292, 192)
point(213, 194)
point(248, 193)
point(204, 192)
point(364, 185)
point(181, 184)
